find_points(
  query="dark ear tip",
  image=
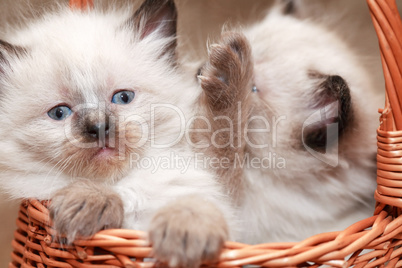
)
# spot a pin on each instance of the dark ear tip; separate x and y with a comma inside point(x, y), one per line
point(7, 49)
point(336, 79)
point(330, 86)
point(288, 7)
point(11, 49)
point(161, 4)
point(6, 46)
point(171, 8)
point(171, 4)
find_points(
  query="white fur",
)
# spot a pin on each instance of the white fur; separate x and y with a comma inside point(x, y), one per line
point(73, 53)
point(308, 196)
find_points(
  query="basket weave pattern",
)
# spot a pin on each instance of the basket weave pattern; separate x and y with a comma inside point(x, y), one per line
point(373, 242)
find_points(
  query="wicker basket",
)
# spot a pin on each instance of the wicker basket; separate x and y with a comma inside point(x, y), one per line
point(373, 242)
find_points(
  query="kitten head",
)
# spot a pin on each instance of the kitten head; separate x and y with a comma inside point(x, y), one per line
point(81, 91)
point(316, 96)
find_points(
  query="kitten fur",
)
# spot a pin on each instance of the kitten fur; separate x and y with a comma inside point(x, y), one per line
point(89, 163)
point(99, 53)
point(300, 71)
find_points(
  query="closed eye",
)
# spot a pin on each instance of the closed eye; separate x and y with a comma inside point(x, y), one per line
point(123, 97)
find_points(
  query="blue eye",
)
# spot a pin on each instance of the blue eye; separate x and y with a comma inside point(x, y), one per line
point(59, 112)
point(123, 97)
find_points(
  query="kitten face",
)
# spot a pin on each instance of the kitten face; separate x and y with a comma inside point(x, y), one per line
point(80, 101)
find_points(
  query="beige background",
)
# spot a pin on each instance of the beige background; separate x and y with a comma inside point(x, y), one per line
point(198, 20)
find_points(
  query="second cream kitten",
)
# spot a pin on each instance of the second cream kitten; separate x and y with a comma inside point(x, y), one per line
point(303, 161)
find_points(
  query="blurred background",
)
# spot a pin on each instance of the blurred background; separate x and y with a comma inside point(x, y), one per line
point(200, 21)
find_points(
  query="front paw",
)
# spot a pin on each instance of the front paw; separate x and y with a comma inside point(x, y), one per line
point(187, 233)
point(227, 75)
point(82, 209)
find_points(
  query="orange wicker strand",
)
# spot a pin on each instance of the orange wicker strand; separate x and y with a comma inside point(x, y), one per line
point(390, 48)
point(81, 4)
point(117, 250)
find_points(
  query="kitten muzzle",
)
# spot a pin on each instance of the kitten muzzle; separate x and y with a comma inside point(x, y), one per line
point(100, 133)
point(98, 128)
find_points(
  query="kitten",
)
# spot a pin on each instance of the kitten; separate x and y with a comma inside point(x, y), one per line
point(94, 115)
point(303, 111)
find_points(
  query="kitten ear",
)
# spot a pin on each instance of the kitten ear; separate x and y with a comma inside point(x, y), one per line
point(287, 7)
point(332, 95)
point(157, 16)
point(8, 50)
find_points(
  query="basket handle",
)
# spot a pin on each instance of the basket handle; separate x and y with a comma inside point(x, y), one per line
point(388, 25)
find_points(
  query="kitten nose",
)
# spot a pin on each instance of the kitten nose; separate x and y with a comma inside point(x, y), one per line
point(99, 130)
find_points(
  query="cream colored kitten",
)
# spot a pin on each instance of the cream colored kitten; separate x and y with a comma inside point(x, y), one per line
point(94, 113)
point(304, 114)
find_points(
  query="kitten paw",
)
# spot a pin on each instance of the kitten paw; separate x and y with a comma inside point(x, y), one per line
point(187, 233)
point(226, 77)
point(82, 209)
